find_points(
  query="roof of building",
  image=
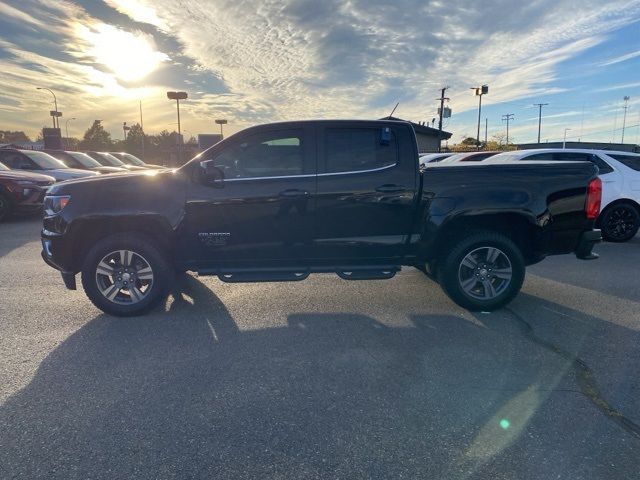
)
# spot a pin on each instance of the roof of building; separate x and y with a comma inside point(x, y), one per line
point(423, 129)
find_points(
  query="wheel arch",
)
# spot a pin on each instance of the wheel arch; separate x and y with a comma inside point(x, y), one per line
point(617, 201)
point(520, 228)
point(87, 232)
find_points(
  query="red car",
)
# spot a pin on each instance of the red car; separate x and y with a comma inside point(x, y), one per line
point(21, 192)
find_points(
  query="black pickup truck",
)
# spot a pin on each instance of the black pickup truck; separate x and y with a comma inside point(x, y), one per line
point(280, 201)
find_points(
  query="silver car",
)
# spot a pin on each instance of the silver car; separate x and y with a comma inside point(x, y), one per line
point(40, 162)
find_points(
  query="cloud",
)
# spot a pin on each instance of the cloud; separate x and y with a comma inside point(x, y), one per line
point(268, 60)
point(308, 58)
point(619, 87)
point(621, 58)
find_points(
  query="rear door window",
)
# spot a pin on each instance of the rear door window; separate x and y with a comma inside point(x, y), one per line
point(631, 161)
point(584, 157)
point(540, 156)
point(359, 149)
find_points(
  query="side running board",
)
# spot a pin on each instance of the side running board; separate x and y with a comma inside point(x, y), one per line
point(376, 272)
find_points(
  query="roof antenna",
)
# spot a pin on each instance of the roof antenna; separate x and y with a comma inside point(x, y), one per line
point(394, 109)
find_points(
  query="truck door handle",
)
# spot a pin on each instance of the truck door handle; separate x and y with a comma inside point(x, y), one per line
point(293, 192)
point(390, 188)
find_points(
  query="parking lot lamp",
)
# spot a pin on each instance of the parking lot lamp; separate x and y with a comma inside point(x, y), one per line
point(55, 103)
point(479, 91)
point(221, 122)
point(177, 96)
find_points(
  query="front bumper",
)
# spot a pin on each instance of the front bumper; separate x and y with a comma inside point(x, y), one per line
point(586, 243)
point(53, 253)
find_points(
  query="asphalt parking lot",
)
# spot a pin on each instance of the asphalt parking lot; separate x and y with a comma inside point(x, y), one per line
point(323, 378)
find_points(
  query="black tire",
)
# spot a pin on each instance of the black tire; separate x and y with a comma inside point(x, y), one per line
point(147, 253)
point(5, 207)
point(620, 222)
point(490, 290)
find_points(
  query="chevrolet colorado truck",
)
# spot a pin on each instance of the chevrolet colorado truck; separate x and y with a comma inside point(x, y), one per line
point(280, 201)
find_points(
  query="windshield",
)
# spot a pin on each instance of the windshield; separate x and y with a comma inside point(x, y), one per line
point(84, 159)
point(454, 158)
point(107, 159)
point(131, 159)
point(44, 160)
point(506, 157)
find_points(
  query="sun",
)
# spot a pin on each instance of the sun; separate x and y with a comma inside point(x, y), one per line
point(129, 56)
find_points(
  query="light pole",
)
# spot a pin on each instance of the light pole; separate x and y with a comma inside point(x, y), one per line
point(508, 117)
point(177, 96)
point(66, 124)
point(624, 120)
point(221, 122)
point(564, 141)
point(125, 129)
point(55, 103)
point(479, 91)
point(540, 105)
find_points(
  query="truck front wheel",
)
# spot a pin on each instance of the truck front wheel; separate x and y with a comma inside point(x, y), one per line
point(483, 272)
point(126, 275)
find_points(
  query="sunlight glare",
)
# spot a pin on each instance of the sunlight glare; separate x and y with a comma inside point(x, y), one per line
point(130, 56)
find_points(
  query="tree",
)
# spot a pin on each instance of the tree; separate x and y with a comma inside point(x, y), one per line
point(96, 138)
point(133, 143)
point(7, 136)
point(70, 143)
point(468, 141)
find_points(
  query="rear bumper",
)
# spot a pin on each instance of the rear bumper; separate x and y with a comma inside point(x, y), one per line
point(586, 243)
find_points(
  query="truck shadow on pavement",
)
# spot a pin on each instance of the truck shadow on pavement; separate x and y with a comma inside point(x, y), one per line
point(187, 394)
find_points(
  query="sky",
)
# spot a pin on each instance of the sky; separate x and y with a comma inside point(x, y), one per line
point(259, 61)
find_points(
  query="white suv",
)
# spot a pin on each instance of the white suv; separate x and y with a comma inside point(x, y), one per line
point(620, 174)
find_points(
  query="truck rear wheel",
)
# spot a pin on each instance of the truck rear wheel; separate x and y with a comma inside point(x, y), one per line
point(126, 275)
point(484, 271)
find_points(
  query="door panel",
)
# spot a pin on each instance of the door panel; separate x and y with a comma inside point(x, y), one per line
point(262, 212)
point(366, 192)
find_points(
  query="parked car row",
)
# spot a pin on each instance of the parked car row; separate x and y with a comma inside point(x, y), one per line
point(619, 219)
point(25, 175)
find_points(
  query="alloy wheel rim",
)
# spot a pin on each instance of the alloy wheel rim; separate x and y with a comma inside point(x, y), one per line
point(620, 222)
point(124, 277)
point(485, 273)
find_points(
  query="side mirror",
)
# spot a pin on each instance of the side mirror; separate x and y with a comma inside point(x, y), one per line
point(210, 174)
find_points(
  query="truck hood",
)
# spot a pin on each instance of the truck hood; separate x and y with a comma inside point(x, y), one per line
point(111, 183)
point(62, 174)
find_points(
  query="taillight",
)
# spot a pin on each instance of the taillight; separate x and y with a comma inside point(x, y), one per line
point(594, 198)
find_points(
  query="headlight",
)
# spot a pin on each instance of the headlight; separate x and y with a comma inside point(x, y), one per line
point(54, 204)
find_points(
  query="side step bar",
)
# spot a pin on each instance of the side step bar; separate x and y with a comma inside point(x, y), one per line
point(369, 273)
point(242, 275)
point(246, 277)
